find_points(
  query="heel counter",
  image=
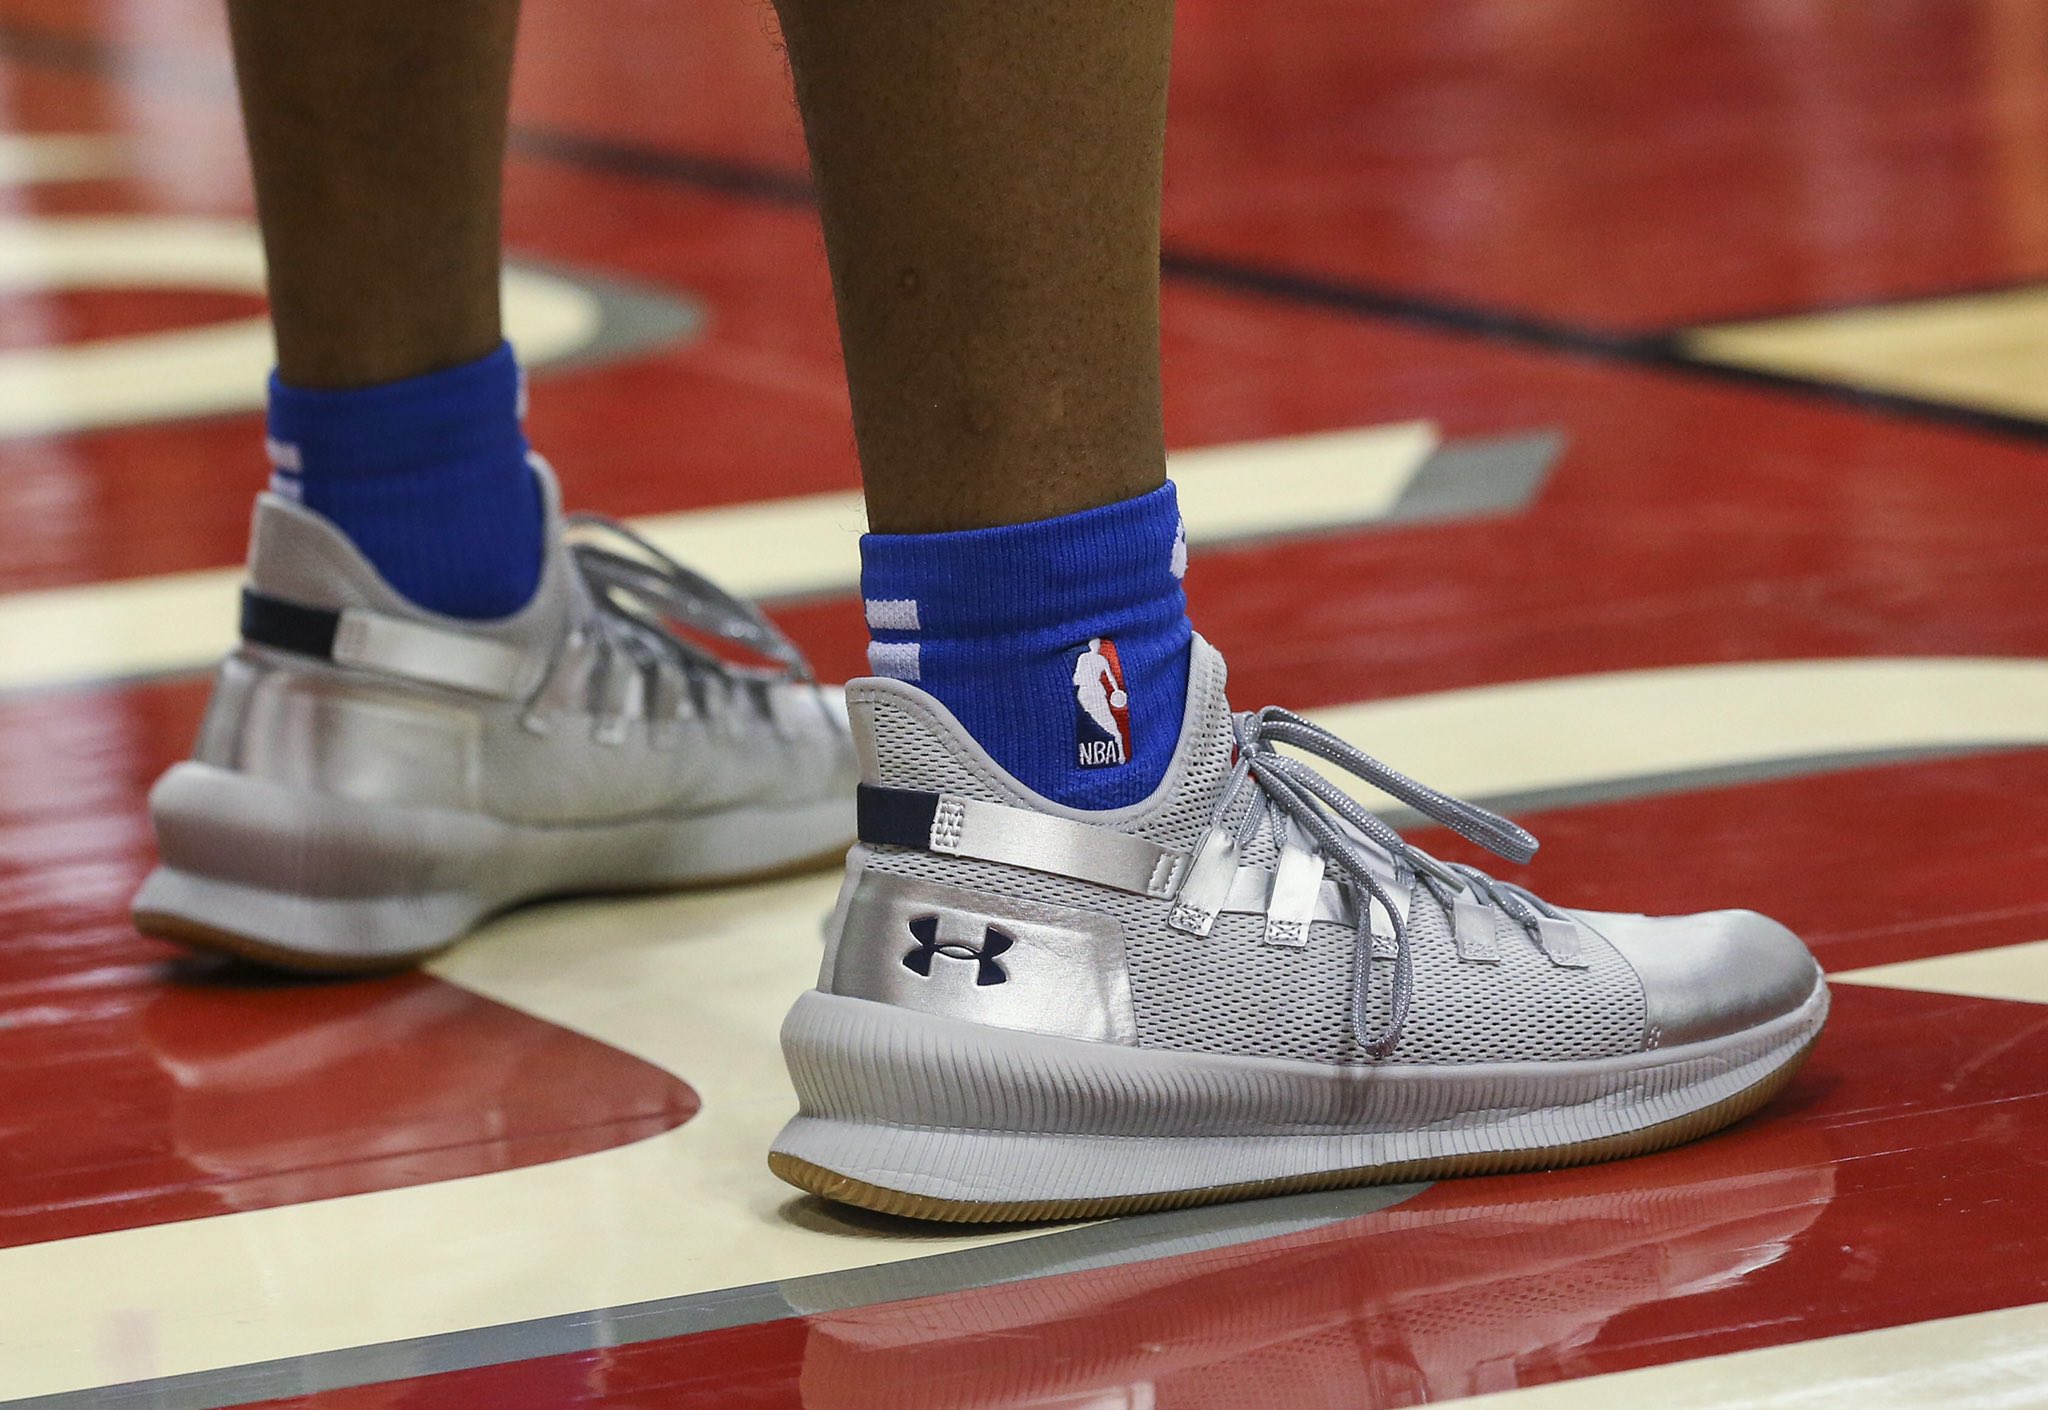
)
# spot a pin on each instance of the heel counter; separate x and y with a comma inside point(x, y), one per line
point(227, 708)
point(904, 738)
point(964, 953)
point(308, 729)
point(835, 923)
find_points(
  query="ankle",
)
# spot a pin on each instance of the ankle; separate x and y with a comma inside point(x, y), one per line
point(428, 476)
point(1061, 645)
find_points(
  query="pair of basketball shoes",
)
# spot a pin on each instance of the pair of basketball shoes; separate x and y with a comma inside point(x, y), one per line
point(1246, 983)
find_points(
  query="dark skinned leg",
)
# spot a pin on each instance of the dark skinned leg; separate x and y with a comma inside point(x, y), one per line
point(377, 131)
point(989, 179)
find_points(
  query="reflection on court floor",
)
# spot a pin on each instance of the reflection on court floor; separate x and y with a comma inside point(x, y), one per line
point(1656, 455)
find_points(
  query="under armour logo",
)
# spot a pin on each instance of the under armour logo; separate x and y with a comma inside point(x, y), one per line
point(986, 969)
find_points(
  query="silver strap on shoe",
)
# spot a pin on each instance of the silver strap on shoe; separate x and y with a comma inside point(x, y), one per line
point(1202, 887)
point(1472, 928)
point(1207, 887)
point(373, 641)
point(1297, 887)
point(953, 826)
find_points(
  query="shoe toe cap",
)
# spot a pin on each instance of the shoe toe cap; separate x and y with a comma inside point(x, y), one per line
point(1706, 976)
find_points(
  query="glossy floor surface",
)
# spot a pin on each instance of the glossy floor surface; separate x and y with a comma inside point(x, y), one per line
point(1676, 380)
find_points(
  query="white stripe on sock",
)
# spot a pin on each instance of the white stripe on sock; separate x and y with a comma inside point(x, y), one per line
point(895, 659)
point(286, 468)
point(892, 614)
point(284, 456)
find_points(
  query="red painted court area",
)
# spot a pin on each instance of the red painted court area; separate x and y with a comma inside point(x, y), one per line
point(1501, 216)
point(1810, 1222)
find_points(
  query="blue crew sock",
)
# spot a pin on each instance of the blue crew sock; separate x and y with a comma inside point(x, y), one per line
point(1061, 645)
point(427, 476)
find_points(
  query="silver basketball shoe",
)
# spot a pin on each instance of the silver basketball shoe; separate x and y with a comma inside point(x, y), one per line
point(373, 780)
point(1246, 984)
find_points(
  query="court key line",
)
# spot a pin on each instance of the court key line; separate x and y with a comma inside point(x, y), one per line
point(697, 985)
point(1668, 352)
point(771, 549)
point(38, 158)
point(222, 367)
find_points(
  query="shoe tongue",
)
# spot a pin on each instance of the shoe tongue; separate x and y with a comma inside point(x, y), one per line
point(1209, 750)
point(1211, 759)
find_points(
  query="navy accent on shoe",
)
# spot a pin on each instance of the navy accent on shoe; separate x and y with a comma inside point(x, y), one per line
point(895, 817)
point(288, 626)
point(987, 969)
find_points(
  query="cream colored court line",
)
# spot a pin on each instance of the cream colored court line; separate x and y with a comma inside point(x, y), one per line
point(1982, 350)
point(34, 158)
point(810, 544)
point(1534, 736)
point(1986, 1361)
point(698, 985)
point(212, 369)
point(2008, 972)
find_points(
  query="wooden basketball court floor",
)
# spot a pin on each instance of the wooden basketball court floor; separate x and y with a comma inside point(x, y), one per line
point(1647, 408)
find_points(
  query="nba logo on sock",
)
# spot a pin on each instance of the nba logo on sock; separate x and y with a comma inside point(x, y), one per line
point(1102, 707)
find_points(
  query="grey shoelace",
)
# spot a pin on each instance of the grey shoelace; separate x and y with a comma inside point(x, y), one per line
point(636, 594)
point(1324, 811)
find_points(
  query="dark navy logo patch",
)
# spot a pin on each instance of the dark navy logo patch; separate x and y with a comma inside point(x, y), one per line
point(925, 929)
point(1102, 707)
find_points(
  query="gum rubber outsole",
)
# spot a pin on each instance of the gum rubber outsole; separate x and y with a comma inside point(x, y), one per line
point(212, 939)
point(828, 1184)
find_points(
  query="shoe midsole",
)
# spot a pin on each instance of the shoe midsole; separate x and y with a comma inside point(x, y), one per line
point(341, 875)
point(957, 1110)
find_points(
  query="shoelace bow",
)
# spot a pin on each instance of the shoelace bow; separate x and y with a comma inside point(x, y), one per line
point(635, 595)
point(1323, 810)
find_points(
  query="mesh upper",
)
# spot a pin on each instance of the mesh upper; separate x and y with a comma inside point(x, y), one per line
point(1229, 992)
